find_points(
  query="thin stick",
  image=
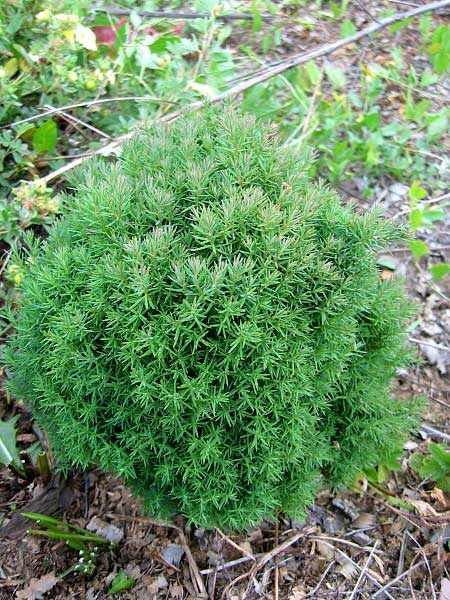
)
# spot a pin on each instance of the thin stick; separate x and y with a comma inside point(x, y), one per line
point(271, 71)
point(402, 2)
point(322, 579)
point(242, 550)
point(372, 579)
point(370, 15)
point(430, 344)
point(363, 572)
point(277, 572)
point(397, 579)
point(71, 118)
point(433, 592)
point(436, 432)
point(320, 538)
point(161, 14)
point(263, 561)
point(6, 261)
point(231, 563)
point(307, 119)
point(401, 560)
point(88, 103)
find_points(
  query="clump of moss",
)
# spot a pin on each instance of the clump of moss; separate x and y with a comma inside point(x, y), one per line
point(210, 324)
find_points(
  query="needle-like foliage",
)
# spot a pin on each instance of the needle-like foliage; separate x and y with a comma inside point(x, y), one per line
point(210, 324)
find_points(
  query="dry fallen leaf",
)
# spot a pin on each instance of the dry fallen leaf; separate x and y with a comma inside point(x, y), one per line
point(441, 498)
point(38, 587)
point(157, 584)
point(176, 591)
point(172, 553)
point(112, 533)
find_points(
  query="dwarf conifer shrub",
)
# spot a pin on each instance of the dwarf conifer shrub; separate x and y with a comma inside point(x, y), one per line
point(210, 324)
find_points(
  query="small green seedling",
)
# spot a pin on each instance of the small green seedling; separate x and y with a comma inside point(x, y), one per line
point(121, 582)
point(87, 544)
point(434, 466)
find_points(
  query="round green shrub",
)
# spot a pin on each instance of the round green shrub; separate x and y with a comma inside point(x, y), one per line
point(210, 324)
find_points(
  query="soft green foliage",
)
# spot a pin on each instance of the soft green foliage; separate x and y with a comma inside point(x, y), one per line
point(435, 466)
point(211, 325)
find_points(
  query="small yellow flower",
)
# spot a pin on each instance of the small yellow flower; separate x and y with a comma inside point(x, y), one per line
point(90, 84)
point(43, 16)
point(72, 76)
point(69, 35)
point(52, 205)
point(15, 274)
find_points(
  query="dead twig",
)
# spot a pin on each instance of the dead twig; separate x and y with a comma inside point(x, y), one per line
point(362, 575)
point(360, 569)
point(162, 14)
point(397, 579)
point(230, 541)
point(88, 104)
point(430, 344)
point(231, 563)
point(277, 571)
point(71, 119)
point(401, 559)
point(421, 550)
point(435, 432)
point(322, 579)
point(263, 561)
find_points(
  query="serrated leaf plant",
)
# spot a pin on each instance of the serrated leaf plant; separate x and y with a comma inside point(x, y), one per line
point(210, 324)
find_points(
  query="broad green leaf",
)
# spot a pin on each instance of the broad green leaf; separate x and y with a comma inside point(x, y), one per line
point(416, 219)
point(440, 270)
point(202, 89)
point(372, 121)
point(443, 483)
point(416, 192)
point(425, 24)
point(44, 138)
point(391, 129)
point(397, 26)
point(9, 454)
point(431, 215)
point(33, 451)
point(418, 248)
point(11, 67)
point(441, 61)
point(438, 125)
point(441, 453)
point(121, 582)
point(383, 473)
point(335, 75)
point(161, 44)
point(347, 28)
point(257, 17)
point(385, 262)
point(313, 71)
